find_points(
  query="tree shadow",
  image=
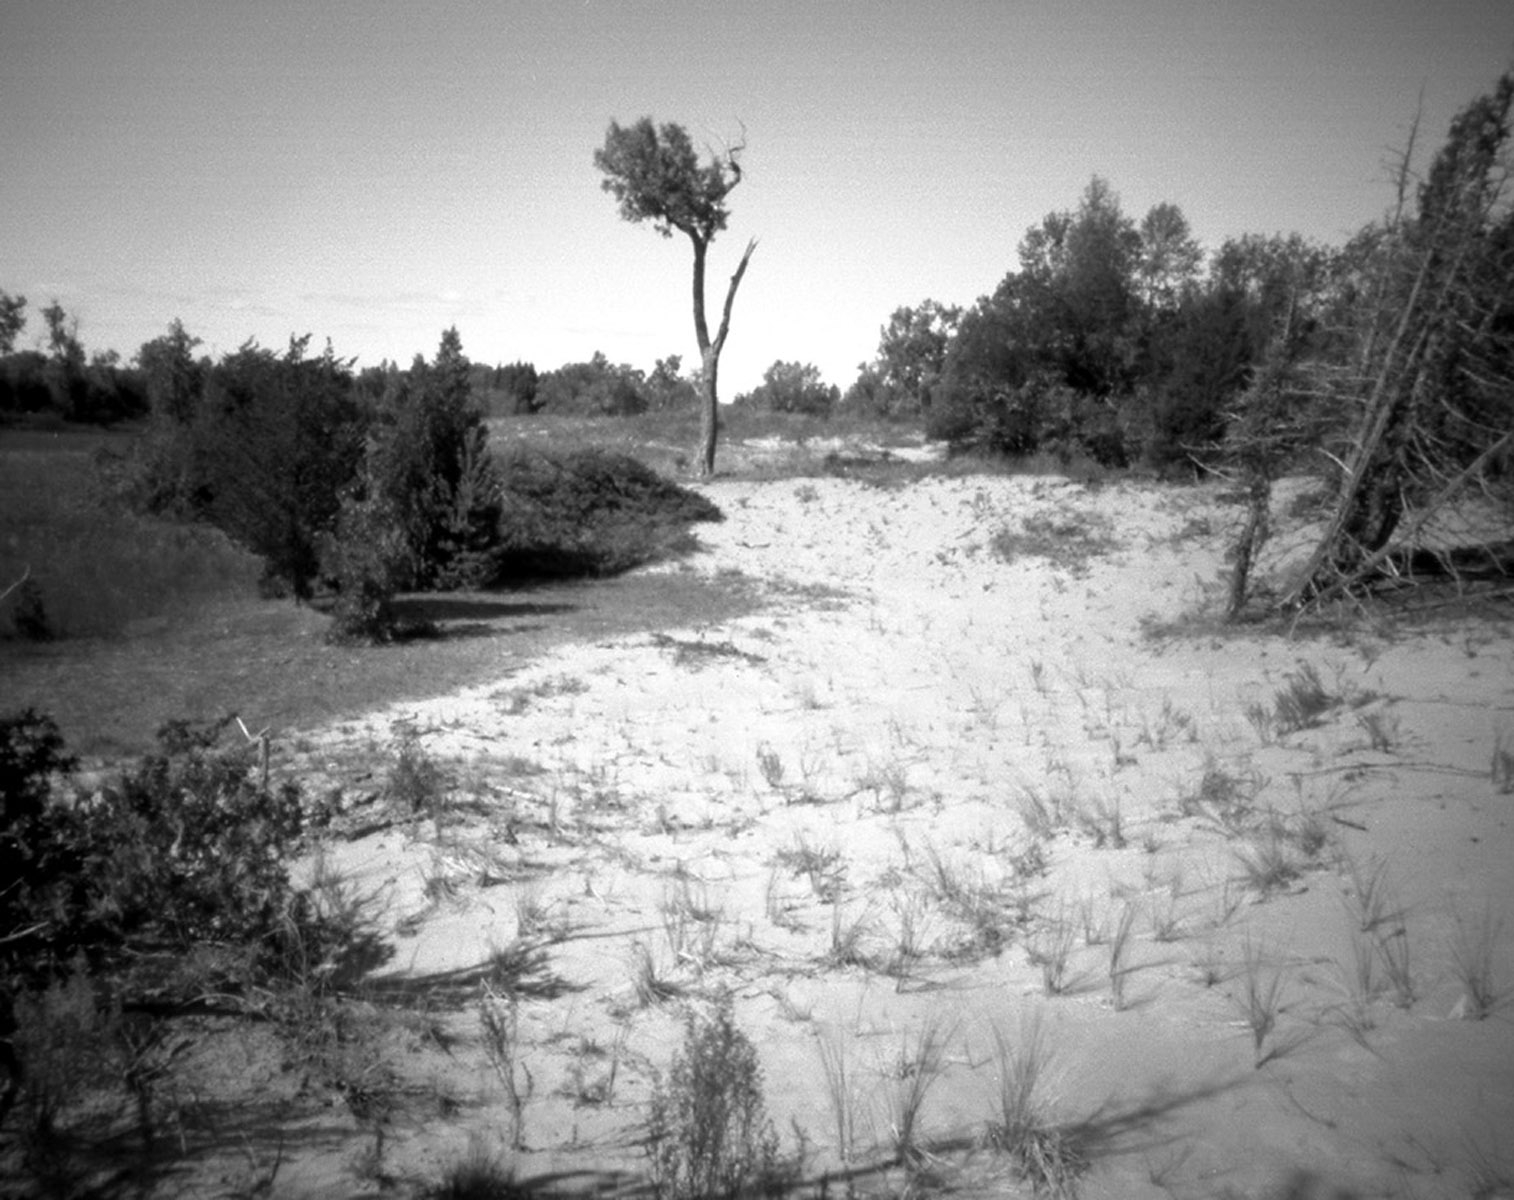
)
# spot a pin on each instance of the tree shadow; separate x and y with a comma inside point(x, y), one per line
point(521, 969)
point(474, 609)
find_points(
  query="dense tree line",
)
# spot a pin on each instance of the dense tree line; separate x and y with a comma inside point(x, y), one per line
point(58, 384)
point(369, 484)
point(1109, 340)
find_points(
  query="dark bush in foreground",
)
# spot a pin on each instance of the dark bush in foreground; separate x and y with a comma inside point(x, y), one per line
point(189, 847)
point(590, 513)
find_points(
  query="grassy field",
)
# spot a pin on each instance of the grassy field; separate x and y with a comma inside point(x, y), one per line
point(153, 620)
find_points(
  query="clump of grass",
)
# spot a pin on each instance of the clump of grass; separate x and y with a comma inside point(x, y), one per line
point(1119, 954)
point(416, 782)
point(1042, 812)
point(708, 1129)
point(692, 925)
point(1361, 985)
point(841, 1091)
point(1102, 821)
point(1171, 724)
point(1166, 920)
point(1267, 862)
point(647, 979)
point(480, 1175)
point(1302, 702)
point(1393, 951)
point(1226, 797)
point(499, 1022)
point(1260, 719)
point(822, 867)
point(1050, 949)
point(1501, 770)
point(1261, 1001)
point(1043, 1153)
point(846, 937)
point(920, 1065)
point(1069, 541)
point(1381, 729)
point(1367, 899)
point(1472, 961)
point(770, 765)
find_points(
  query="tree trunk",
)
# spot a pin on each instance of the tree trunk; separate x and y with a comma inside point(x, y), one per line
point(709, 349)
point(709, 412)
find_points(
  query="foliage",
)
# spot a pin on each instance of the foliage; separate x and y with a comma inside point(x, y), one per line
point(709, 1134)
point(47, 390)
point(174, 378)
point(429, 470)
point(365, 558)
point(593, 388)
point(912, 347)
point(510, 390)
point(189, 846)
point(12, 320)
point(589, 512)
point(258, 445)
point(791, 387)
point(655, 175)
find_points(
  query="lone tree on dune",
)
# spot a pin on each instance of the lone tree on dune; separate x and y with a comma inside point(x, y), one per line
point(655, 174)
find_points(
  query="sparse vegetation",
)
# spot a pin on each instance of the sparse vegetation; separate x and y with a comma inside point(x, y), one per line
point(1042, 1152)
point(1472, 960)
point(708, 1133)
point(1261, 1000)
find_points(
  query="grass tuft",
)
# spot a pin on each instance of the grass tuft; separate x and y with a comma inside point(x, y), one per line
point(1045, 1154)
point(1472, 961)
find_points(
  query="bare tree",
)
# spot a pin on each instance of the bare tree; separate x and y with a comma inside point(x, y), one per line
point(656, 175)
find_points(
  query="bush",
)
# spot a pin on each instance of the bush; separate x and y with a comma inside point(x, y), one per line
point(589, 512)
point(709, 1131)
point(189, 847)
point(363, 561)
point(429, 468)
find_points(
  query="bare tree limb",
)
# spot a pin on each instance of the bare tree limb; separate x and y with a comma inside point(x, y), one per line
point(25, 575)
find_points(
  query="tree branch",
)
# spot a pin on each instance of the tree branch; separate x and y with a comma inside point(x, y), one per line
point(25, 575)
point(730, 296)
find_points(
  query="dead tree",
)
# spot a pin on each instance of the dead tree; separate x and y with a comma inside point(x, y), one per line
point(1428, 399)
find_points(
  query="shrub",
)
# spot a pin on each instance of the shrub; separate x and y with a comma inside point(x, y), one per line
point(709, 1131)
point(589, 512)
point(188, 847)
point(429, 467)
point(362, 559)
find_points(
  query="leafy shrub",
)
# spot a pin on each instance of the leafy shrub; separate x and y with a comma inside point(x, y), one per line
point(709, 1131)
point(416, 782)
point(589, 512)
point(187, 847)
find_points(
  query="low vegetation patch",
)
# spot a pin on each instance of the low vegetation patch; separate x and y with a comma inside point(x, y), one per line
point(590, 512)
point(1069, 540)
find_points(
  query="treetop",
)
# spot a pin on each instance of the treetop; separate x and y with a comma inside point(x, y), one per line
point(655, 174)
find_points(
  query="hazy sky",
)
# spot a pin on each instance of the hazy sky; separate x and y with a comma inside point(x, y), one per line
point(373, 171)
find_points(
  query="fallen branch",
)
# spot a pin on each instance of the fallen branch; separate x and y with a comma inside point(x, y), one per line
point(25, 575)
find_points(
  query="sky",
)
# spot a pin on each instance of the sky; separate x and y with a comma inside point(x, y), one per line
point(375, 171)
